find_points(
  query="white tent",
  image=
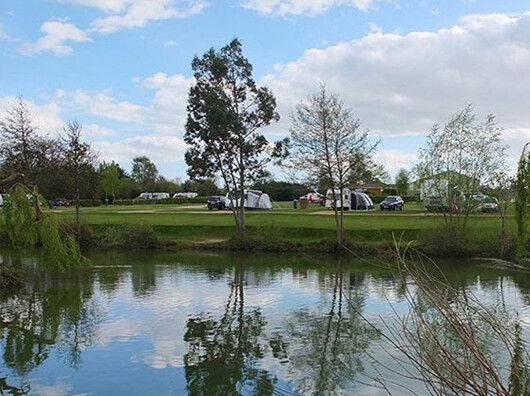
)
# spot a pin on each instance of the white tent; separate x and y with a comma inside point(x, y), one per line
point(352, 200)
point(253, 200)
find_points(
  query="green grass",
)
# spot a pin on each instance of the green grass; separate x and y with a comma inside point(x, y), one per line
point(195, 224)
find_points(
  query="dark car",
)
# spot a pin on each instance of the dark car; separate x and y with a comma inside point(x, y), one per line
point(58, 202)
point(392, 202)
point(217, 202)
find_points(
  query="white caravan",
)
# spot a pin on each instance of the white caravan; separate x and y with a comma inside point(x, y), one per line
point(186, 195)
point(254, 199)
point(161, 195)
point(352, 200)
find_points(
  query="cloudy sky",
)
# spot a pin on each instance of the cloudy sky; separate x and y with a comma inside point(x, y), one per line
point(122, 67)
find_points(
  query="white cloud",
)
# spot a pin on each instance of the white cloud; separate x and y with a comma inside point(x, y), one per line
point(166, 112)
point(102, 104)
point(400, 84)
point(94, 131)
point(137, 13)
point(393, 160)
point(56, 36)
point(158, 148)
point(300, 7)
point(46, 117)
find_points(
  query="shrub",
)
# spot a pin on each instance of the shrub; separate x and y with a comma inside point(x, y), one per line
point(86, 236)
point(131, 235)
point(87, 203)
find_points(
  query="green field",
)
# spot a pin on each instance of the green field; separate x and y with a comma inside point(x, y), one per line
point(195, 224)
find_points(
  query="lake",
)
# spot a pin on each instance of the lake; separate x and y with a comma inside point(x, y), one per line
point(206, 323)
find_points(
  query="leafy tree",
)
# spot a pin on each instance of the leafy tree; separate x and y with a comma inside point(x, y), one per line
point(144, 173)
point(522, 199)
point(327, 141)
point(459, 158)
point(402, 181)
point(110, 179)
point(204, 187)
point(225, 111)
point(25, 153)
point(79, 159)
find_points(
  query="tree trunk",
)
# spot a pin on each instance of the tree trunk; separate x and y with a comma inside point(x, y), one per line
point(77, 209)
point(241, 226)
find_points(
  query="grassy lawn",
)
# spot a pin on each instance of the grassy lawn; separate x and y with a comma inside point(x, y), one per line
point(195, 223)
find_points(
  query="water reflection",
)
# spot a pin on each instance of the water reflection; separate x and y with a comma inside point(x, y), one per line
point(205, 324)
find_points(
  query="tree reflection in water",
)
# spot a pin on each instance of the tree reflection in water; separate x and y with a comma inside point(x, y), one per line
point(49, 311)
point(323, 348)
point(222, 354)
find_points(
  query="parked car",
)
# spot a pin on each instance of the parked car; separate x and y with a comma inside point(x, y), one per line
point(216, 202)
point(489, 205)
point(392, 202)
point(59, 202)
point(313, 197)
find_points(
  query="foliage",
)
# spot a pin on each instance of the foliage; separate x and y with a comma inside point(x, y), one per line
point(130, 235)
point(78, 158)
point(59, 252)
point(402, 181)
point(225, 111)
point(281, 190)
point(11, 276)
point(19, 220)
point(88, 203)
point(110, 178)
point(203, 187)
point(327, 141)
point(522, 200)
point(145, 173)
point(459, 158)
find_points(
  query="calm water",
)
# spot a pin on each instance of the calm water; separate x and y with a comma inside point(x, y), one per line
point(210, 324)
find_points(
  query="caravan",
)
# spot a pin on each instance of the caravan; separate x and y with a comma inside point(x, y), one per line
point(254, 199)
point(352, 200)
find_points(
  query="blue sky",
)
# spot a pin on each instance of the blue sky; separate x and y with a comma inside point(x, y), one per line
point(122, 67)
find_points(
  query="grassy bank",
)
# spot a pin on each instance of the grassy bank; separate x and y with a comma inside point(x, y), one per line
point(283, 228)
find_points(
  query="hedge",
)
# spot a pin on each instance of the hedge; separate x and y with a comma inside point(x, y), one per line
point(165, 201)
point(87, 203)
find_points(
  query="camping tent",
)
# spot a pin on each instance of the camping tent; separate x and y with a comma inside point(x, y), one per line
point(254, 199)
point(353, 200)
point(361, 201)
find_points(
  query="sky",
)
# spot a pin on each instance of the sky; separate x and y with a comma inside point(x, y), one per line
point(122, 67)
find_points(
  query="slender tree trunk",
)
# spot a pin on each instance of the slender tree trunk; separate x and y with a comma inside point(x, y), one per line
point(241, 225)
point(77, 208)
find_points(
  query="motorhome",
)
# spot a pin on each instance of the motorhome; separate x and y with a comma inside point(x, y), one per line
point(351, 200)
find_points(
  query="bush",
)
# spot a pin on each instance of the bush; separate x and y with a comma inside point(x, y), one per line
point(88, 203)
point(166, 201)
point(452, 240)
point(131, 235)
point(86, 236)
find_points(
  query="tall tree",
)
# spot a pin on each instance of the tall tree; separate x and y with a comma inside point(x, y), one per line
point(522, 200)
point(145, 173)
point(402, 181)
point(78, 159)
point(459, 159)
point(23, 151)
point(328, 142)
point(225, 111)
point(110, 179)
